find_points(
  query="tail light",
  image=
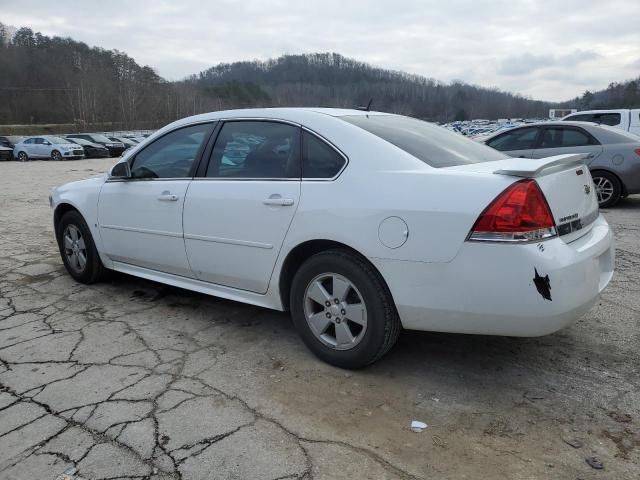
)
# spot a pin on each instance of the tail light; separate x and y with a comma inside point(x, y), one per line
point(637, 150)
point(519, 214)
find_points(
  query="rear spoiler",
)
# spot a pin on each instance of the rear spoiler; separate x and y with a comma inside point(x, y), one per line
point(538, 167)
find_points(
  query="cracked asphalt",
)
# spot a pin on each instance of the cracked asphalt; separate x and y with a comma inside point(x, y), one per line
point(132, 379)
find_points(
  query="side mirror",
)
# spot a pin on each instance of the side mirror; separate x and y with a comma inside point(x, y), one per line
point(47, 143)
point(121, 171)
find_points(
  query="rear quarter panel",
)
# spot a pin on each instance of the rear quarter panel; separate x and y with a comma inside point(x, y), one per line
point(622, 161)
point(439, 208)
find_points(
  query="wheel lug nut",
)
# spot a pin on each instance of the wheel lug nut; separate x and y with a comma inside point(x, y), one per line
point(337, 301)
point(338, 320)
point(343, 311)
point(328, 315)
point(327, 303)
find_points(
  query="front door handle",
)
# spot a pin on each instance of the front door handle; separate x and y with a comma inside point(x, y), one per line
point(276, 199)
point(167, 197)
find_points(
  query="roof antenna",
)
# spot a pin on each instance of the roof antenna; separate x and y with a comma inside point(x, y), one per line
point(368, 107)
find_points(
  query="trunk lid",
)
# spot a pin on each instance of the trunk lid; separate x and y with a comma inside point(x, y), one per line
point(565, 181)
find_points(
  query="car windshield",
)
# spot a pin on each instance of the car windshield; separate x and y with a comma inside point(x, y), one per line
point(100, 138)
point(57, 140)
point(434, 145)
point(80, 141)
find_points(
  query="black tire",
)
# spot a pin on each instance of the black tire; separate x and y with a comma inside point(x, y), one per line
point(608, 179)
point(56, 156)
point(23, 157)
point(383, 324)
point(93, 270)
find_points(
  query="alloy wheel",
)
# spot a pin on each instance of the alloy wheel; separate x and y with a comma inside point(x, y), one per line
point(335, 311)
point(56, 156)
point(75, 249)
point(22, 157)
point(604, 189)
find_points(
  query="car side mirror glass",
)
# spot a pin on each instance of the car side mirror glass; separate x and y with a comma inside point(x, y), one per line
point(121, 170)
point(47, 143)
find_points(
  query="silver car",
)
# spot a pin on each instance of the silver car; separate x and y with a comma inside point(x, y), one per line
point(47, 146)
point(613, 156)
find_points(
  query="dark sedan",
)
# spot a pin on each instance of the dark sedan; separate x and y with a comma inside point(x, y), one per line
point(91, 150)
point(10, 141)
point(115, 148)
point(6, 153)
point(127, 141)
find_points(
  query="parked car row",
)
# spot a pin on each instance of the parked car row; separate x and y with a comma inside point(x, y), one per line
point(71, 146)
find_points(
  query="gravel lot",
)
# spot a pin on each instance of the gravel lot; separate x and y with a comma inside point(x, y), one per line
point(131, 379)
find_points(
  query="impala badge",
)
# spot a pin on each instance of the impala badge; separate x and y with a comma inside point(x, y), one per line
point(587, 189)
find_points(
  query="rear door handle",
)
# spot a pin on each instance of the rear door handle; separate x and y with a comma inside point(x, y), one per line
point(276, 199)
point(167, 197)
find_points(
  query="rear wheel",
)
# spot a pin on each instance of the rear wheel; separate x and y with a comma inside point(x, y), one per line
point(608, 188)
point(56, 155)
point(23, 157)
point(343, 310)
point(78, 250)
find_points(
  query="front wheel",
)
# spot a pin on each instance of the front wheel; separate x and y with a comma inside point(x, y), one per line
point(78, 250)
point(23, 157)
point(56, 155)
point(343, 310)
point(608, 189)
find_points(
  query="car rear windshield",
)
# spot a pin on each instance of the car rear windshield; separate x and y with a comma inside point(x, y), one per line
point(434, 145)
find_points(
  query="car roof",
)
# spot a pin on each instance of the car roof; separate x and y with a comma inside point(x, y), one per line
point(293, 114)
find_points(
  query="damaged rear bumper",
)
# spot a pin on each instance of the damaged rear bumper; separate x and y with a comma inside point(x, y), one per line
point(495, 289)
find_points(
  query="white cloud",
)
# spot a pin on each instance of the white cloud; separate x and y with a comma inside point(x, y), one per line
point(545, 49)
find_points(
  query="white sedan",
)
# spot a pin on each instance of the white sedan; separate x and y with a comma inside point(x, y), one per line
point(359, 223)
point(49, 147)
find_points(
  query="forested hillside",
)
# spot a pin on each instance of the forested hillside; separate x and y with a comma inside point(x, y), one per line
point(58, 80)
point(329, 79)
point(616, 95)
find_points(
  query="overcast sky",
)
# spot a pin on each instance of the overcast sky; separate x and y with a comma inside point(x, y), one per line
point(548, 50)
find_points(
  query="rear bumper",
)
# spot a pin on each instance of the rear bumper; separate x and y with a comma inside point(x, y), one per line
point(97, 154)
point(115, 151)
point(491, 289)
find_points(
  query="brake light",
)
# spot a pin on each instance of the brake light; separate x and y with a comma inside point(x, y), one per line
point(519, 214)
point(637, 150)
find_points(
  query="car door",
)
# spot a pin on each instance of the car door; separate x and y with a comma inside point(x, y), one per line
point(29, 147)
point(238, 211)
point(141, 217)
point(558, 140)
point(518, 142)
point(40, 149)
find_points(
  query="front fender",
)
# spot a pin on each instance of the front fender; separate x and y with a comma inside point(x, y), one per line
point(82, 196)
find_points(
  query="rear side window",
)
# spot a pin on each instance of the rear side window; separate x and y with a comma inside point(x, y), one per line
point(611, 119)
point(583, 117)
point(561, 137)
point(319, 160)
point(520, 139)
point(256, 149)
point(434, 145)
